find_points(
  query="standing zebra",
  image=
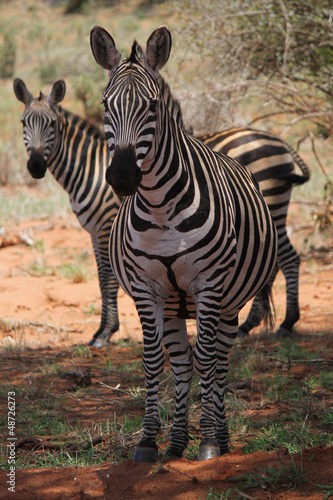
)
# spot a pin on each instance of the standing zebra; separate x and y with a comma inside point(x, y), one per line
point(271, 161)
point(193, 238)
point(76, 154)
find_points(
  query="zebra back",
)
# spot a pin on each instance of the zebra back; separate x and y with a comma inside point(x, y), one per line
point(248, 145)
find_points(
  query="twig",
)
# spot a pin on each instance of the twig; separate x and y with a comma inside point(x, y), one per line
point(244, 495)
point(193, 478)
point(117, 389)
point(14, 324)
point(166, 379)
point(321, 166)
point(295, 361)
point(85, 445)
point(303, 202)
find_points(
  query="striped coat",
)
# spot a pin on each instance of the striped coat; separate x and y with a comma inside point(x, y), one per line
point(193, 238)
point(76, 154)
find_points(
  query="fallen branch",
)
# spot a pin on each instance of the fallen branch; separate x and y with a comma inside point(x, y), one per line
point(85, 445)
point(299, 361)
point(194, 479)
point(34, 444)
point(15, 324)
point(117, 389)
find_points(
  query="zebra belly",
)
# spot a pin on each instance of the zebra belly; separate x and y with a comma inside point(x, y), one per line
point(239, 286)
point(147, 270)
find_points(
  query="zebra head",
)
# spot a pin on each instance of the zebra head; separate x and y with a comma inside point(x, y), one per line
point(39, 124)
point(132, 104)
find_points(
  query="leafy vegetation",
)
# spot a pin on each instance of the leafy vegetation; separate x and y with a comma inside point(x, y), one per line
point(282, 49)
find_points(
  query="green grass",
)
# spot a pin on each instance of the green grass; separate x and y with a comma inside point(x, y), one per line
point(81, 351)
point(77, 271)
point(291, 350)
point(230, 494)
point(289, 476)
point(327, 490)
point(92, 310)
point(132, 424)
point(23, 204)
point(293, 436)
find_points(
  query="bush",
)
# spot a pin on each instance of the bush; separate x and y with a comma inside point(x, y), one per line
point(7, 56)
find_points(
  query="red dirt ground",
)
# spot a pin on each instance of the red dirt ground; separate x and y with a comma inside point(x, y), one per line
point(48, 312)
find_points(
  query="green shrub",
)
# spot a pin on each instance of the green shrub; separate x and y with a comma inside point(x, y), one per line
point(7, 56)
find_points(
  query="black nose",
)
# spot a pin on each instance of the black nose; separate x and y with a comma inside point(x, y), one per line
point(123, 174)
point(37, 165)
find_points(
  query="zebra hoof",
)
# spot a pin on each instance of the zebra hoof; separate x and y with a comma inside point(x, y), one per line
point(92, 342)
point(208, 450)
point(100, 343)
point(147, 454)
point(283, 333)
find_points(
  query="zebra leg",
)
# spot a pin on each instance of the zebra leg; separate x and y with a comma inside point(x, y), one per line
point(153, 363)
point(109, 290)
point(254, 317)
point(225, 338)
point(289, 263)
point(205, 362)
point(181, 360)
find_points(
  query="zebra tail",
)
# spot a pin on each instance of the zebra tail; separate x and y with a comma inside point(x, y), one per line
point(267, 306)
point(292, 178)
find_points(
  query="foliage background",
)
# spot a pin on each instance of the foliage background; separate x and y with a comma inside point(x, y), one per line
point(266, 64)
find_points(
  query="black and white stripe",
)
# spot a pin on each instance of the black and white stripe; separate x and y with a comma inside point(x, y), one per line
point(271, 161)
point(76, 154)
point(194, 238)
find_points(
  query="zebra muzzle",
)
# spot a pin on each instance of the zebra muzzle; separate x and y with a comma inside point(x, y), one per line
point(37, 165)
point(123, 174)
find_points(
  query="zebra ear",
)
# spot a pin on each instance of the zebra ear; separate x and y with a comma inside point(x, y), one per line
point(158, 49)
point(104, 49)
point(57, 93)
point(21, 91)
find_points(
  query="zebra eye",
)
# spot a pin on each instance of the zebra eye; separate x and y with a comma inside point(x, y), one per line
point(153, 104)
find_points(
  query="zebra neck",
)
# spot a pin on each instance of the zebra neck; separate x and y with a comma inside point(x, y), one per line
point(169, 186)
point(80, 149)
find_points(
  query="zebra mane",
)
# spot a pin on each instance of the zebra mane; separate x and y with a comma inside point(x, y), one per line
point(89, 126)
point(171, 103)
point(136, 53)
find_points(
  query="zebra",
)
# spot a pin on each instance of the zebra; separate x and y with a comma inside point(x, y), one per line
point(271, 161)
point(193, 238)
point(76, 153)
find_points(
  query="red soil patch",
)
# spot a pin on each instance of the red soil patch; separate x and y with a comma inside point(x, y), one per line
point(175, 480)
